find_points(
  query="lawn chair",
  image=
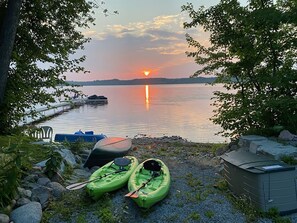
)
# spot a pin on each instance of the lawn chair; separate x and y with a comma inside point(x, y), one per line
point(46, 133)
point(43, 133)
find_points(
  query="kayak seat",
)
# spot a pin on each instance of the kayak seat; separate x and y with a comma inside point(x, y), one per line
point(152, 165)
point(122, 161)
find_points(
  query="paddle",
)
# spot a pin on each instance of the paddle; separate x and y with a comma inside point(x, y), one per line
point(80, 185)
point(120, 161)
point(134, 194)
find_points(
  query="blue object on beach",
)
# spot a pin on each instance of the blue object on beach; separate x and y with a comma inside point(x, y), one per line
point(79, 132)
point(79, 137)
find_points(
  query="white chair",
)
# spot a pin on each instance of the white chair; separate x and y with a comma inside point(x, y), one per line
point(43, 133)
point(46, 133)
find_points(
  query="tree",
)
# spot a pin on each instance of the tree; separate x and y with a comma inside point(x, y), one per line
point(7, 36)
point(46, 37)
point(252, 51)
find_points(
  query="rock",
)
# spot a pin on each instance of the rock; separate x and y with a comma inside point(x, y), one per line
point(4, 218)
point(41, 164)
point(42, 194)
point(78, 175)
point(57, 178)
point(234, 147)
point(29, 213)
point(22, 201)
point(13, 202)
point(68, 157)
point(24, 193)
point(81, 173)
point(31, 186)
point(43, 181)
point(78, 159)
point(245, 140)
point(286, 135)
point(57, 189)
point(31, 178)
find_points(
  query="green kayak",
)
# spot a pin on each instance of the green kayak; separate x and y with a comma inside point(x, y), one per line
point(149, 183)
point(111, 176)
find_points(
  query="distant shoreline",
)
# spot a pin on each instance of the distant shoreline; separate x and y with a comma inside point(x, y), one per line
point(145, 81)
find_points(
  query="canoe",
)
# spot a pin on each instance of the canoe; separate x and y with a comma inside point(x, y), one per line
point(150, 181)
point(113, 176)
point(80, 136)
point(108, 149)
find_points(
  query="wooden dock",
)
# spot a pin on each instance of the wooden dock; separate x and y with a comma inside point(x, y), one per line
point(52, 110)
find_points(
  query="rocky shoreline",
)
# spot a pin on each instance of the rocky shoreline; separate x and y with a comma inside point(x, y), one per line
point(194, 195)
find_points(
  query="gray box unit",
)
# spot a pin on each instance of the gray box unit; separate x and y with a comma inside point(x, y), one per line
point(267, 182)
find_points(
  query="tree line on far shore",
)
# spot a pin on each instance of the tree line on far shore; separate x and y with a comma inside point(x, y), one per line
point(145, 81)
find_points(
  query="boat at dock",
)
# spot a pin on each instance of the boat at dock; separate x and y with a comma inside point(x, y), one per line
point(94, 99)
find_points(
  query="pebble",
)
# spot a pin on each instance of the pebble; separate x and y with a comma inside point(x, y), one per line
point(4, 218)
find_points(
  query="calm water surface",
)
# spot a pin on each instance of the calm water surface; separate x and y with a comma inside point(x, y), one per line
point(153, 110)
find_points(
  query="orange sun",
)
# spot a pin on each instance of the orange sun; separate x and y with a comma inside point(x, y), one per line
point(146, 72)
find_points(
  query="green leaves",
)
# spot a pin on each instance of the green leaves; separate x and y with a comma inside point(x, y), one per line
point(253, 52)
point(53, 164)
point(48, 33)
point(11, 159)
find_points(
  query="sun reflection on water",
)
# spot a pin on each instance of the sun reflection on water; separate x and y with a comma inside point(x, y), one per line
point(147, 97)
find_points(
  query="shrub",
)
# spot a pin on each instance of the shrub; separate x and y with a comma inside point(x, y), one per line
point(53, 164)
point(10, 172)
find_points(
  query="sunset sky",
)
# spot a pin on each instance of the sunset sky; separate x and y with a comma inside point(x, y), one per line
point(146, 35)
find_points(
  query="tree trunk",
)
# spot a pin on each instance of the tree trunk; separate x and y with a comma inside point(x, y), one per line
point(7, 36)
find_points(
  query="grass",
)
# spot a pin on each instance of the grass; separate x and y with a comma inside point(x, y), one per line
point(76, 205)
point(289, 160)
point(209, 214)
point(195, 216)
point(193, 182)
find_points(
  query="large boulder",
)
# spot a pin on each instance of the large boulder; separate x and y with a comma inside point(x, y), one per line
point(29, 213)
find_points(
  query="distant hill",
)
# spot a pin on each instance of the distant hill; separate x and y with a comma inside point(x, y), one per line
point(146, 81)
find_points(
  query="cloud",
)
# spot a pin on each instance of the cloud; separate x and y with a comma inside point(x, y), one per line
point(165, 23)
point(124, 51)
point(178, 48)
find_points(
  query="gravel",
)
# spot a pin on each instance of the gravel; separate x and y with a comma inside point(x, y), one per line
point(193, 196)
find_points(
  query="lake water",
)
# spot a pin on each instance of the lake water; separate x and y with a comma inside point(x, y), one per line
point(151, 110)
